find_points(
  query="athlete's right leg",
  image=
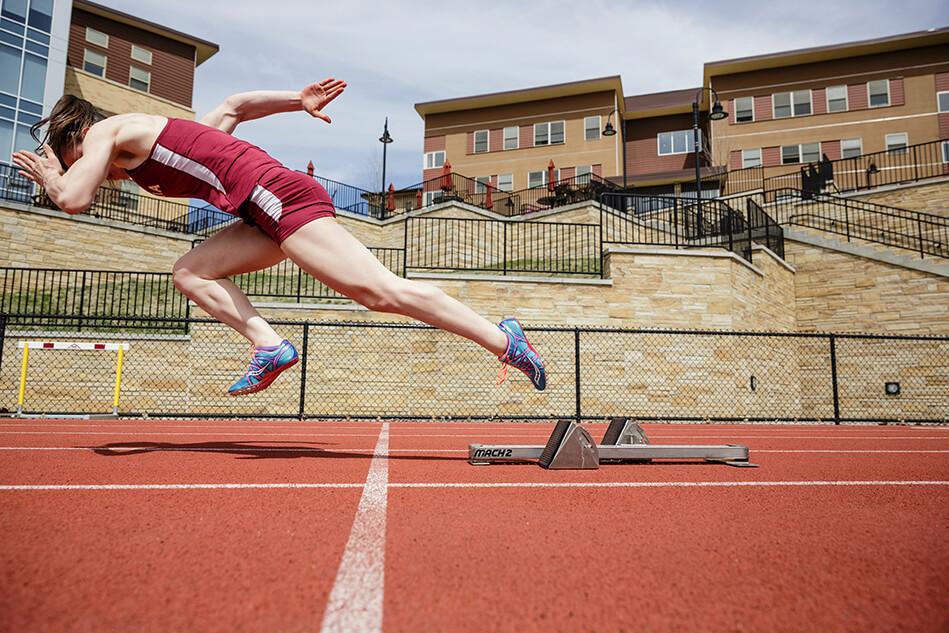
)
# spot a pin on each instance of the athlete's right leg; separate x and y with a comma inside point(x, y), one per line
point(202, 275)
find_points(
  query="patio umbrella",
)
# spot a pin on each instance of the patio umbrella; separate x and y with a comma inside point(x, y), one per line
point(418, 198)
point(488, 201)
point(390, 199)
point(446, 176)
point(310, 168)
point(550, 176)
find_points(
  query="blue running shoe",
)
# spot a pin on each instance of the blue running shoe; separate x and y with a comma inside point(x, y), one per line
point(265, 366)
point(521, 355)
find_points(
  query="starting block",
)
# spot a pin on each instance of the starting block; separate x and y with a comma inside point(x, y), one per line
point(570, 447)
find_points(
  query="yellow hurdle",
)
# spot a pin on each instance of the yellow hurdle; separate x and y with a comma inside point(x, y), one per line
point(22, 391)
point(118, 382)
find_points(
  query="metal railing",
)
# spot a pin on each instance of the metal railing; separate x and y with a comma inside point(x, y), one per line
point(502, 246)
point(92, 297)
point(686, 223)
point(392, 371)
point(923, 233)
point(354, 199)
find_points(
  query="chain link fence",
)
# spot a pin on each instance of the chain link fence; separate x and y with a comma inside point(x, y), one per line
point(384, 370)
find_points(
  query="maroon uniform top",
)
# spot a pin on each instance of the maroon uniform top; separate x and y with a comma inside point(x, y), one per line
point(192, 160)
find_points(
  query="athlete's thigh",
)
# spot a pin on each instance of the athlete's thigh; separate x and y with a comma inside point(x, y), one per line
point(239, 248)
point(329, 252)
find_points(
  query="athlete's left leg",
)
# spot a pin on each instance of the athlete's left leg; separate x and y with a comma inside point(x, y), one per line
point(326, 250)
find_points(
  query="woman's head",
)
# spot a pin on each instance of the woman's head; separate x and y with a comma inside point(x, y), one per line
point(67, 125)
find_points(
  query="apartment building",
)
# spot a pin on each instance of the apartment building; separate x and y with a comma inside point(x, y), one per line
point(842, 100)
point(508, 139)
point(123, 63)
point(784, 109)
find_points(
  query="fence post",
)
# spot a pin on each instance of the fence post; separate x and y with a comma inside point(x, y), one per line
point(675, 220)
point(299, 284)
point(405, 246)
point(748, 209)
point(919, 229)
point(576, 351)
point(847, 219)
point(504, 250)
point(305, 351)
point(833, 378)
point(3, 333)
point(82, 300)
point(915, 163)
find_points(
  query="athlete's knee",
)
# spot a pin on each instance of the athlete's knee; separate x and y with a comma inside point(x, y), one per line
point(185, 277)
point(389, 294)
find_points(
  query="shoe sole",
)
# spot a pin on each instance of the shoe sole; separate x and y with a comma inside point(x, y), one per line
point(266, 382)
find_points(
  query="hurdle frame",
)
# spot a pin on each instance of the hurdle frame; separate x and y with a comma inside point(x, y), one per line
point(26, 346)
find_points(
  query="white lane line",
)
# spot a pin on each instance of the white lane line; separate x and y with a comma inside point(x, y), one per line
point(355, 603)
point(373, 536)
point(369, 451)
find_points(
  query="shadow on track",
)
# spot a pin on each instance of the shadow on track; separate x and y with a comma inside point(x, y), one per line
point(247, 450)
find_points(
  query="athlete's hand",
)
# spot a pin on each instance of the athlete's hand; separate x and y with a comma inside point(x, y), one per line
point(316, 96)
point(39, 169)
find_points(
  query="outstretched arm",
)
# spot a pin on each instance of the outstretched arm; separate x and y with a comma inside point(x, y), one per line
point(74, 190)
point(247, 106)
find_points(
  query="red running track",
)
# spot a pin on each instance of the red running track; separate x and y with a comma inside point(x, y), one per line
point(272, 526)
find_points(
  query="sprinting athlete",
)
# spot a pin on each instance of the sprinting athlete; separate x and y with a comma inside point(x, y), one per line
point(284, 213)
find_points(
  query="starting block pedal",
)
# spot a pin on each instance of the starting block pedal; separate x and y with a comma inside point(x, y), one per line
point(570, 447)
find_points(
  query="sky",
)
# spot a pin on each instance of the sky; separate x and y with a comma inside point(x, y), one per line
point(394, 54)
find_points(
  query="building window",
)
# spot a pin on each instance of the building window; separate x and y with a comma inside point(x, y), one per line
point(93, 62)
point(482, 183)
point(536, 179)
point(480, 141)
point(97, 37)
point(836, 98)
point(786, 104)
point(751, 158)
point(505, 182)
point(139, 79)
point(945, 151)
point(591, 128)
point(803, 153)
point(511, 135)
point(433, 160)
point(429, 198)
point(942, 101)
point(897, 143)
point(744, 109)
point(584, 174)
point(549, 133)
point(879, 92)
point(139, 54)
point(675, 142)
point(851, 148)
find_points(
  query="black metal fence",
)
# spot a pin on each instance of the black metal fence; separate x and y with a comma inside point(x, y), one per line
point(686, 223)
point(503, 246)
point(370, 370)
point(923, 233)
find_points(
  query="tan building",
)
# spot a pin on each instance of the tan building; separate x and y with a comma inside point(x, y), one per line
point(784, 109)
point(842, 100)
point(508, 139)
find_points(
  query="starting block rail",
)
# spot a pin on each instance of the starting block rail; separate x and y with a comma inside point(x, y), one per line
point(570, 447)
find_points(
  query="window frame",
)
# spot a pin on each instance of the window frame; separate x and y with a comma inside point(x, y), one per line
point(800, 154)
point(509, 176)
point(938, 105)
point(517, 137)
point(586, 129)
point(487, 142)
point(482, 183)
point(896, 150)
point(148, 90)
point(859, 143)
point(89, 30)
point(870, 95)
point(735, 105)
point(549, 125)
point(791, 103)
point(688, 140)
point(105, 59)
point(433, 154)
point(543, 178)
point(744, 162)
point(945, 152)
point(846, 99)
point(139, 59)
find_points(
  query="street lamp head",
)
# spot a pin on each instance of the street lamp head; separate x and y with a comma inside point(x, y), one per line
point(609, 130)
point(385, 138)
point(718, 112)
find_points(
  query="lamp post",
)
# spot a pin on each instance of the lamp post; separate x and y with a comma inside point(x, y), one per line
point(385, 139)
point(609, 130)
point(717, 113)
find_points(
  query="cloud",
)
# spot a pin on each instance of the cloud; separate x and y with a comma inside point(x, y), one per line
point(397, 53)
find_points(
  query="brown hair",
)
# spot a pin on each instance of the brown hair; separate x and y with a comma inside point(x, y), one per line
point(69, 117)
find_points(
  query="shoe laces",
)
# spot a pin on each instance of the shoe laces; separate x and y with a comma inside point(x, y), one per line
point(257, 360)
